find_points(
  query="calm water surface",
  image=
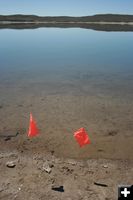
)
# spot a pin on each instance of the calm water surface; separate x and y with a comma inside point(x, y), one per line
point(68, 78)
point(74, 61)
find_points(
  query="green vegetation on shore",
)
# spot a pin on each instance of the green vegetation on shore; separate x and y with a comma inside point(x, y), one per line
point(94, 18)
point(106, 22)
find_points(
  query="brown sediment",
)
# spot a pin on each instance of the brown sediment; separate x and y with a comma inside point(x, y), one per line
point(59, 116)
point(107, 160)
point(102, 104)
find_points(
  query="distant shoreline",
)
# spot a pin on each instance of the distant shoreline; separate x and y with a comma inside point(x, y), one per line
point(102, 22)
point(99, 18)
point(70, 22)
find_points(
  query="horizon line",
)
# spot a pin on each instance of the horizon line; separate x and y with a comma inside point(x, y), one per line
point(66, 15)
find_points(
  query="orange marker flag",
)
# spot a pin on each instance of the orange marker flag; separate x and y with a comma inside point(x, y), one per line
point(82, 137)
point(33, 130)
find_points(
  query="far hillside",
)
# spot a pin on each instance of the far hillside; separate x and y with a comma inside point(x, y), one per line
point(94, 18)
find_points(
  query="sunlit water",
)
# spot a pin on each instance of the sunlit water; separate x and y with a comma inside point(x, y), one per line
point(54, 61)
point(51, 55)
point(68, 78)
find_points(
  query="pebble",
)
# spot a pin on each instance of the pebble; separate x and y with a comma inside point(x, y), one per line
point(46, 167)
point(105, 166)
point(10, 164)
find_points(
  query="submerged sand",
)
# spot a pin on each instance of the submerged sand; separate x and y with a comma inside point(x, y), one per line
point(103, 106)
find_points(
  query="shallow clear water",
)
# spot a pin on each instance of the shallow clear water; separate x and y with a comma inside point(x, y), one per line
point(52, 57)
point(58, 48)
point(68, 78)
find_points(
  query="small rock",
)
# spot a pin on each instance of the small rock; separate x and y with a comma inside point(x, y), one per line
point(100, 184)
point(100, 150)
point(52, 152)
point(105, 166)
point(58, 189)
point(10, 164)
point(7, 138)
point(46, 167)
point(112, 133)
point(72, 162)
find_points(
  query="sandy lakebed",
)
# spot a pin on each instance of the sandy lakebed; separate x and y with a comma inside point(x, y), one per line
point(108, 160)
point(68, 79)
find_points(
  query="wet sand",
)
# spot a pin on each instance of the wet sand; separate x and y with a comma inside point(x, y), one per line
point(58, 117)
point(103, 107)
point(102, 104)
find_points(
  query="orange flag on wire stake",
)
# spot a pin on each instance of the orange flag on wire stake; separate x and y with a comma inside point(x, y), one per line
point(33, 130)
point(82, 137)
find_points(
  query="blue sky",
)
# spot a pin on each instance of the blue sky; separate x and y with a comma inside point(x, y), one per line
point(66, 7)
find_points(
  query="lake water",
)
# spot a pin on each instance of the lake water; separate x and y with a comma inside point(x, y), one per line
point(66, 76)
point(52, 57)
